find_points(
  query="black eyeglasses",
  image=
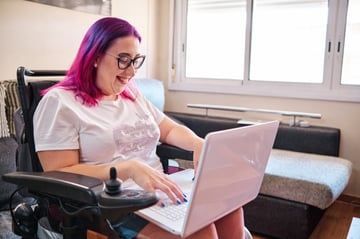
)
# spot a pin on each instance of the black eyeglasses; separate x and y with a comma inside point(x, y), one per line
point(124, 61)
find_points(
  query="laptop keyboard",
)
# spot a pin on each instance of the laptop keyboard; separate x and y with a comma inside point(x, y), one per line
point(172, 212)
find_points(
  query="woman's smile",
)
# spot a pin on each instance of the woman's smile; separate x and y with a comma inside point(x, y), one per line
point(123, 80)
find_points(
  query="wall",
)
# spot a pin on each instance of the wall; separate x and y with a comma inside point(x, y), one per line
point(40, 36)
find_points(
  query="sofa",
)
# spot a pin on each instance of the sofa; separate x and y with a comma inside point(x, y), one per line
point(8, 145)
point(304, 176)
point(8, 104)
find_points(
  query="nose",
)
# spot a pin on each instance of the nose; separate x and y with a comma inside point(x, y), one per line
point(130, 71)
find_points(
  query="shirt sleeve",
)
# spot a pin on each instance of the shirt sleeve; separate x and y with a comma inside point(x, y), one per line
point(55, 124)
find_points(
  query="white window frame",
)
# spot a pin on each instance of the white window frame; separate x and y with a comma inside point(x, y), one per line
point(330, 89)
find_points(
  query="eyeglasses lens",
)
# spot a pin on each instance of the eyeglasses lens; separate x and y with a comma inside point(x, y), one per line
point(125, 62)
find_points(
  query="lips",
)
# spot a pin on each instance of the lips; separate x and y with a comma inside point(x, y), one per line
point(122, 80)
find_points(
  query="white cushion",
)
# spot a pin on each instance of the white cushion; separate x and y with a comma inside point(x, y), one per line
point(313, 179)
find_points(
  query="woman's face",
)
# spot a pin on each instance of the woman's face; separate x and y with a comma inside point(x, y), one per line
point(109, 78)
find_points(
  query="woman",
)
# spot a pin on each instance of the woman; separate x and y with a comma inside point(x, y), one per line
point(95, 119)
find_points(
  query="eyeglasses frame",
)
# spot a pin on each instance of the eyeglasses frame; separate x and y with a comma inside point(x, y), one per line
point(132, 60)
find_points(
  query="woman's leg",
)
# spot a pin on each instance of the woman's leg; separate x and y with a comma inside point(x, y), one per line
point(225, 228)
point(152, 231)
point(231, 225)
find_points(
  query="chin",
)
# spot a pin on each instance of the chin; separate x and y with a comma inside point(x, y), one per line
point(118, 88)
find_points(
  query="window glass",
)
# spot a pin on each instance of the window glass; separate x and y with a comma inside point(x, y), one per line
point(351, 60)
point(215, 39)
point(288, 41)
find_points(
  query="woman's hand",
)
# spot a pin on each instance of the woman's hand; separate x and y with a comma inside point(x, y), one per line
point(151, 180)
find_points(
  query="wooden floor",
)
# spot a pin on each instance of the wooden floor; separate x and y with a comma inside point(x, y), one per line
point(336, 220)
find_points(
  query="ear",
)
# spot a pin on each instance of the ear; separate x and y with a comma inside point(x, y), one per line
point(97, 60)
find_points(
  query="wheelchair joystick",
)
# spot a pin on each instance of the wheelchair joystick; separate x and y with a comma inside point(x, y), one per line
point(115, 202)
point(113, 186)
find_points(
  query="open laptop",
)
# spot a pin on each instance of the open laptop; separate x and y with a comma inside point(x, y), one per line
point(230, 172)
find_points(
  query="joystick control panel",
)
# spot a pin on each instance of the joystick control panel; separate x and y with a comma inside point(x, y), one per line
point(128, 200)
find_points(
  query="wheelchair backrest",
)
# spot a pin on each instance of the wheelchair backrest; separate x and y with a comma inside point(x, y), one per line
point(30, 95)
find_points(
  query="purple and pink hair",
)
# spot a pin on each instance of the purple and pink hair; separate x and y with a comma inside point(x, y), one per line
point(81, 76)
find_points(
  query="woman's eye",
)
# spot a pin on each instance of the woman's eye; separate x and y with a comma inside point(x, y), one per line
point(124, 60)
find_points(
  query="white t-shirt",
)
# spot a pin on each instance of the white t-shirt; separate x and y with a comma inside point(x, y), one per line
point(112, 131)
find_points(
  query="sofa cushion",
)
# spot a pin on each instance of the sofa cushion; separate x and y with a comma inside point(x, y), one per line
point(9, 102)
point(12, 103)
point(6, 226)
point(4, 128)
point(312, 179)
point(8, 147)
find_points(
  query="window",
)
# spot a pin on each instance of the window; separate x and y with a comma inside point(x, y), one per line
point(285, 48)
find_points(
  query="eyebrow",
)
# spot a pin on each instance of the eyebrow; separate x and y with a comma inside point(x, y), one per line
point(127, 54)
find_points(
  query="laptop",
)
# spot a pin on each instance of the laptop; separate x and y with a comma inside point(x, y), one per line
point(230, 172)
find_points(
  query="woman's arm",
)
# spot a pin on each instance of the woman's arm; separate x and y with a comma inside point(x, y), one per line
point(68, 161)
point(145, 176)
point(180, 136)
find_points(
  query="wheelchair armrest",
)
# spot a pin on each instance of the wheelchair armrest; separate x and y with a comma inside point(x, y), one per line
point(83, 189)
point(87, 191)
point(71, 186)
point(167, 151)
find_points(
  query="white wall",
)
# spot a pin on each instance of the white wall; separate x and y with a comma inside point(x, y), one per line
point(43, 37)
point(38, 36)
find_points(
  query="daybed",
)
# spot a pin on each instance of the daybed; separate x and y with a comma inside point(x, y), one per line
point(304, 176)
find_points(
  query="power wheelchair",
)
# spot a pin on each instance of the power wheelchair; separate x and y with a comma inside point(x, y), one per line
point(76, 206)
